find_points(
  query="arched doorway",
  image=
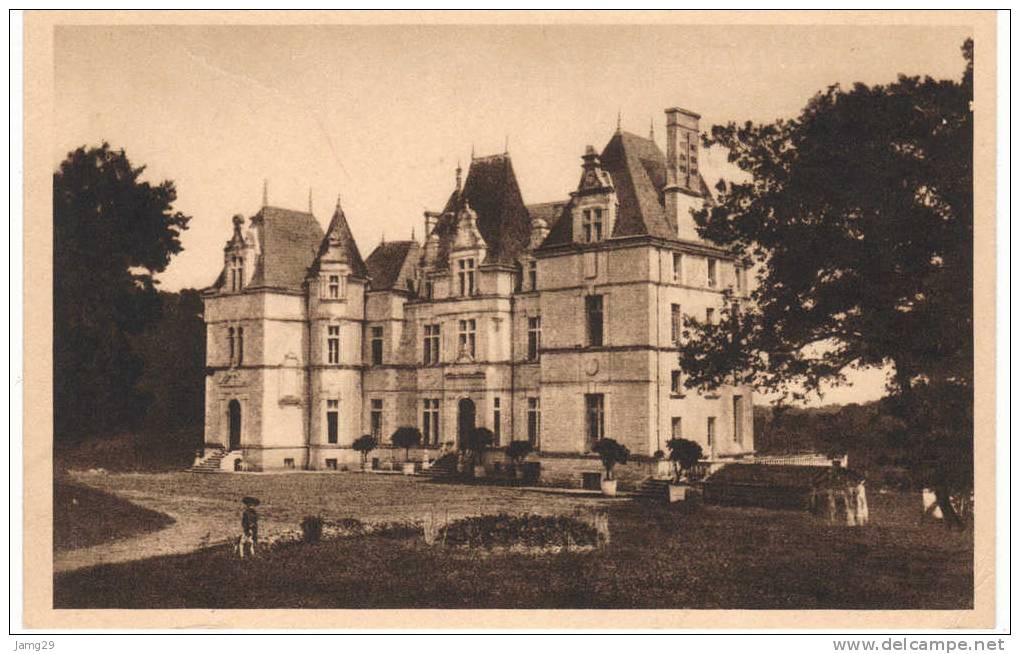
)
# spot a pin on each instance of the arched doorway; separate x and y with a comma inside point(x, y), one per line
point(465, 420)
point(234, 420)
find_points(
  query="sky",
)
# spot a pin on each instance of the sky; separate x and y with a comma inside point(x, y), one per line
point(381, 115)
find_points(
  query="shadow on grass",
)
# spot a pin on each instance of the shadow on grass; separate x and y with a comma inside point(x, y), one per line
point(83, 517)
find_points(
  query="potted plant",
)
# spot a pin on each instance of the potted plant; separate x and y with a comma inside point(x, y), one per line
point(475, 443)
point(364, 445)
point(611, 453)
point(407, 437)
point(518, 451)
point(684, 454)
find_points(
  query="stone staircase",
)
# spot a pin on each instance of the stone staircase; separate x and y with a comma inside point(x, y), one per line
point(210, 463)
point(444, 466)
point(651, 489)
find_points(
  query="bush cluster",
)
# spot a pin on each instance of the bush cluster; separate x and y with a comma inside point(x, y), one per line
point(530, 530)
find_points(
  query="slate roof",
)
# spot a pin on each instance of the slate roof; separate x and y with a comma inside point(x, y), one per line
point(776, 476)
point(288, 241)
point(391, 265)
point(339, 233)
point(503, 220)
point(638, 169)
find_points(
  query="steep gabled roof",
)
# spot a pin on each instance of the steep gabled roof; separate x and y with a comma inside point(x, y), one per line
point(492, 191)
point(560, 231)
point(638, 170)
point(391, 265)
point(288, 241)
point(338, 244)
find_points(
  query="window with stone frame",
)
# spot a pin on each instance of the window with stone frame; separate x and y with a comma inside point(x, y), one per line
point(532, 275)
point(534, 421)
point(333, 344)
point(430, 345)
point(676, 326)
point(236, 273)
point(676, 383)
point(377, 346)
point(678, 268)
point(497, 422)
point(710, 431)
point(593, 309)
point(713, 280)
point(466, 331)
point(466, 271)
point(376, 418)
point(591, 225)
point(594, 417)
point(231, 345)
point(430, 421)
point(534, 337)
point(240, 346)
point(332, 421)
point(333, 287)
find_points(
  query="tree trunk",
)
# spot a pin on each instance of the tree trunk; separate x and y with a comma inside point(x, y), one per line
point(949, 515)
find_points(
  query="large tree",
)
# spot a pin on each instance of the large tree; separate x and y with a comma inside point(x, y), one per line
point(111, 233)
point(858, 216)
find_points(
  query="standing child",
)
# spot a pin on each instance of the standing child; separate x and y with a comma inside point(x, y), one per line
point(249, 526)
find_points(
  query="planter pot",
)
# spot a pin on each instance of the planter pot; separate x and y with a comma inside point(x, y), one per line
point(408, 468)
point(479, 471)
point(609, 487)
point(678, 492)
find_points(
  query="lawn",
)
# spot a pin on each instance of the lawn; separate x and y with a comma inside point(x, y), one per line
point(659, 556)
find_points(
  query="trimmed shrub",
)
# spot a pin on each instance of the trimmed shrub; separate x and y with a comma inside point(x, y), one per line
point(311, 529)
point(684, 454)
point(406, 438)
point(363, 445)
point(611, 453)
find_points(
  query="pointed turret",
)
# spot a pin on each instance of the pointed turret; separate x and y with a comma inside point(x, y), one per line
point(338, 246)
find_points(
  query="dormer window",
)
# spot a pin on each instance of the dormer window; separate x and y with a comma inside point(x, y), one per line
point(466, 269)
point(236, 273)
point(591, 223)
point(332, 286)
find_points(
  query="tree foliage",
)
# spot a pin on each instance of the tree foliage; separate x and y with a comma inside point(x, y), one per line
point(364, 444)
point(612, 454)
point(111, 233)
point(406, 438)
point(684, 454)
point(858, 216)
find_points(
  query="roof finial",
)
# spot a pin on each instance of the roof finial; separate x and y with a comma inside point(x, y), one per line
point(265, 192)
point(382, 239)
point(506, 145)
point(472, 152)
point(338, 209)
point(619, 119)
point(651, 129)
point(310, 200)
point(459, 170)
point(412, 233)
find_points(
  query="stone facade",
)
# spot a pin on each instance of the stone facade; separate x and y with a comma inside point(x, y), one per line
point(553, 322)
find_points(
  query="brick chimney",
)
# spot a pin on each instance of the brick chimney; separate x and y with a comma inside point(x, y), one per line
point(683, 183)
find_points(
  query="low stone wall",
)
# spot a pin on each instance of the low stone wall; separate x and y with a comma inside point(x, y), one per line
point(567, 469)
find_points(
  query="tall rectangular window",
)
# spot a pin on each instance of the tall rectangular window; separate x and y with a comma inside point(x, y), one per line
point(738, 277)
point(240, 346)
point(534, 337)
point(675, 383)
point(466, 338)
point(678, 268)
point(332, 421)
point(377, 346)
point(677, 428)
point(593, 314)
point(712, 278)
point(430, 345)
point(676, 325)
point(376, 418)
point(710, 316)
point(738, 419)
point(333, 287)
point(236, 273)
point(430, 421)
point(333, 344)
point(533, 275)
point(231, 344)
point(534, 421)
point(710, 431)
point(591, 224)
point(594, 417)
point(429, 290)
point(497, 422)
point(466, 276)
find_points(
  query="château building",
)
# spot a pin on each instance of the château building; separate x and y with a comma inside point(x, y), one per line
point(552, 322)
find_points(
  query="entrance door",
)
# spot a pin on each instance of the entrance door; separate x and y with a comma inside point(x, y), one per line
point(234, 420)
point(465, 420)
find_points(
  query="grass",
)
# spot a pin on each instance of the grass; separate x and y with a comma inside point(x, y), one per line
point(84, 516)
point(659, 556)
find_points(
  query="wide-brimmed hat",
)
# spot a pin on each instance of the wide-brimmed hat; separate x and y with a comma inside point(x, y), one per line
point(251, 501)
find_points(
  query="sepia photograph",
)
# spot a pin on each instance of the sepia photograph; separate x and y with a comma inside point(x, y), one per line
point(603, 312)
